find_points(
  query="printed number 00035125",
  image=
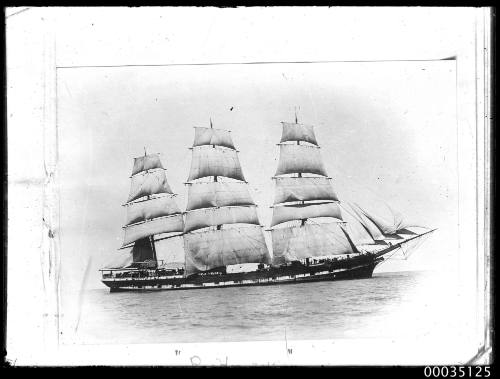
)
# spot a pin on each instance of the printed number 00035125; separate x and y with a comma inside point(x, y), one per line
point(457, 371)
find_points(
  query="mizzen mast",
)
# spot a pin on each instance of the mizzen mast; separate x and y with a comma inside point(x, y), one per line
point(151, 208)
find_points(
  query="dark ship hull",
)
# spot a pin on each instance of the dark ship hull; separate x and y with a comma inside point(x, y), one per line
point(360, 267)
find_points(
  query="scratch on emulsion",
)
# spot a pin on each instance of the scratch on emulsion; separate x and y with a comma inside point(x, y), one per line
point(82, 292)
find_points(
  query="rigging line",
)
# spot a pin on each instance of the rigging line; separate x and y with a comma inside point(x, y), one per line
point(346, 175)
point(356, 218)
point(419, 244)
point(168, 237)
point(400, 245)
point(294, 224)
point(369, 218)
point(163, 195)
point(256, 247)
point(389, 257)
point(148, 171)
point(416, 245)
point(248, 237)
point(406, 251)
point(336, 241)
point(410, 248)
point(393, 214)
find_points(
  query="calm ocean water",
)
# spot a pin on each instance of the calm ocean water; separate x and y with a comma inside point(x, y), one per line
point(323, 310)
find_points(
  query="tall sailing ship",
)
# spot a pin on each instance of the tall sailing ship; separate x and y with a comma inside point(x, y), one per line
point(315, 236)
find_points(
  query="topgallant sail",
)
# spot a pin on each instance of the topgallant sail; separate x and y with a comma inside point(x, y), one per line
point(315, 236)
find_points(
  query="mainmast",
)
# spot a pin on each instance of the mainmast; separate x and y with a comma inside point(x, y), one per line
point(151, 208)
point(221, 225)
point(302, 192)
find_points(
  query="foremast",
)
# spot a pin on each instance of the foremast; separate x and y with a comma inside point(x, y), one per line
point(303, 196)
point(151, 210)
point(221, 223)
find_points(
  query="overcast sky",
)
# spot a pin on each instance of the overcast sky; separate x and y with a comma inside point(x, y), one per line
point(387, 132)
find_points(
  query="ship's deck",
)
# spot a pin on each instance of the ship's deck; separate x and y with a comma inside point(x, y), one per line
point(329, 270)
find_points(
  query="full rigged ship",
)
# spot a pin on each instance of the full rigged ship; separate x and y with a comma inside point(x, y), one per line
point(315, 237)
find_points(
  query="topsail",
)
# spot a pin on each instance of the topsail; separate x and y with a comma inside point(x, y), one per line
point(147, 184)
point(217, 194)
point(222, 226)
point(303, 189)
point(292, 212)
point(152, 208)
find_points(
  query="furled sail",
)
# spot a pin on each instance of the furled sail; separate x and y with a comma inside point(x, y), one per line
point(303, 189)
point(156, 207)
point(286, 213)
point(210, 136)
point(217, 194)
point(300, 159)
point(310, 240)
point(202, 218)
point(298, 132)
point(146, 162)
point(159, 225)
point(149, 183)
point(208, 161)
point(216, 248)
